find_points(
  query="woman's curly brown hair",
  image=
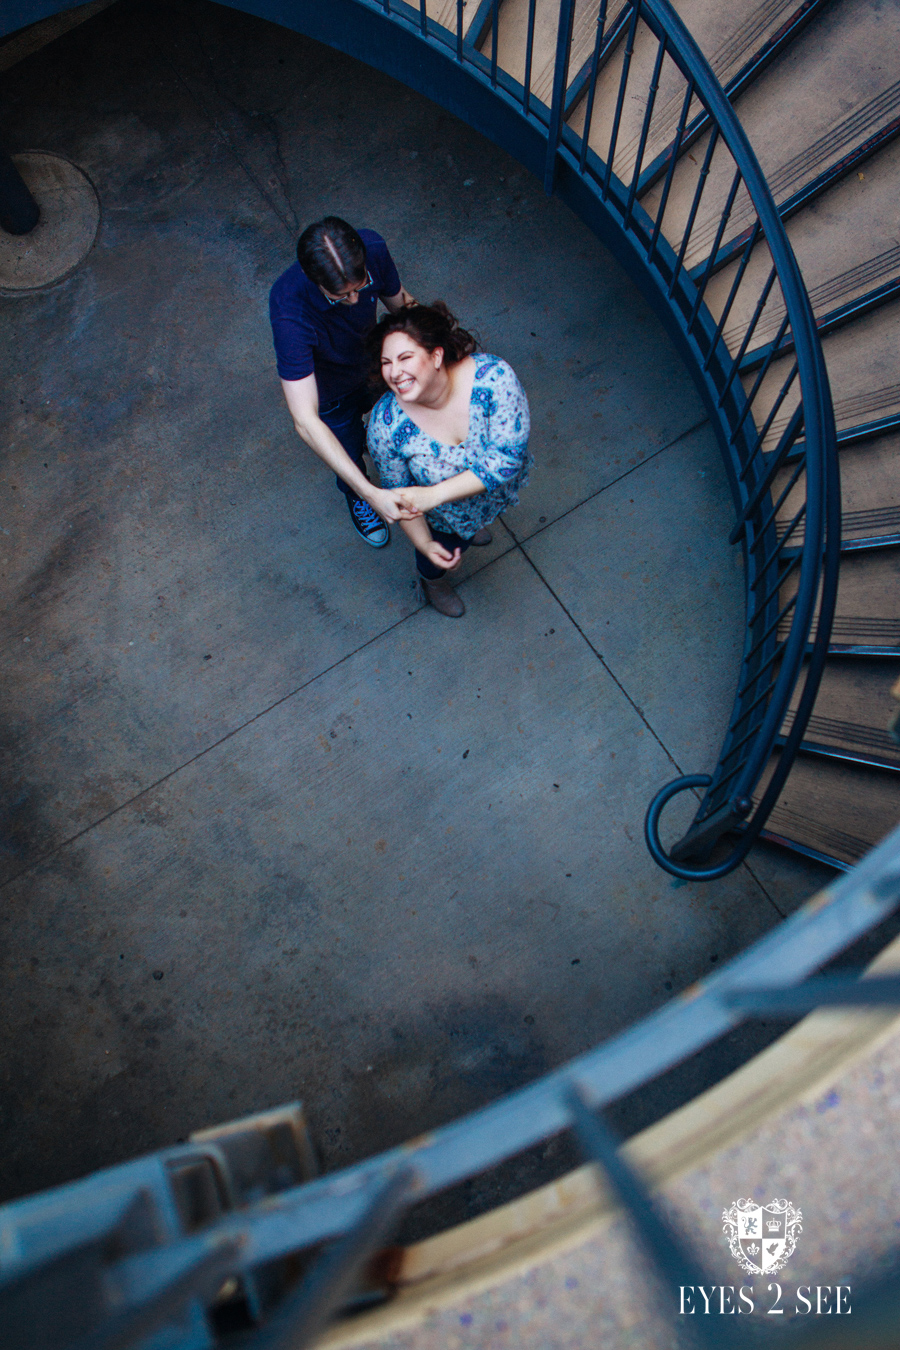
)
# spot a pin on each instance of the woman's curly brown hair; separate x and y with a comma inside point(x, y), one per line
point(431, 326)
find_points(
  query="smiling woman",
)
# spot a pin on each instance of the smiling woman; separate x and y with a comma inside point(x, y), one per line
point(451, 433)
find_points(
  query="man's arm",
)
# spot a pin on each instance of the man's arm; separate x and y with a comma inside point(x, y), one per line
point(303, 402)
point(395, 302)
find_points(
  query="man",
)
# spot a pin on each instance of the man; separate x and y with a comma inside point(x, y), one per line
point(322, 309)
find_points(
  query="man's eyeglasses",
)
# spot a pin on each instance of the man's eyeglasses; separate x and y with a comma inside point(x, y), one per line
point(354, 290)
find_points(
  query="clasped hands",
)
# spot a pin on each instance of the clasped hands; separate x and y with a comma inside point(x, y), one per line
point(404, 503)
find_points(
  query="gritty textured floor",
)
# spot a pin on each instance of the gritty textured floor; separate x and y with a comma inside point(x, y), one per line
point(270, 828)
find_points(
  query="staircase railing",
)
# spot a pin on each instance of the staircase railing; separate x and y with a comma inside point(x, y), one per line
point(775, 427)
point(188, 1246)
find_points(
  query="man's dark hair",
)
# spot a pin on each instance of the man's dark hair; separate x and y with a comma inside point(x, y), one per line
point(332, 254)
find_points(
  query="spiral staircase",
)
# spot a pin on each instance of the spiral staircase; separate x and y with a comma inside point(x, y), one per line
point(619, 112)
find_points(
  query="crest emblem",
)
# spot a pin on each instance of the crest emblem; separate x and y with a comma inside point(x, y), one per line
point(762, 1238)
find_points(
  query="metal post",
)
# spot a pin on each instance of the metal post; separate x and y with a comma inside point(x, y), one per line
point(560, 84)
point(19, 212)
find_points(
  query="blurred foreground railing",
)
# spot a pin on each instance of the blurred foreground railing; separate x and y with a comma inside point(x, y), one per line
point(188, 1238)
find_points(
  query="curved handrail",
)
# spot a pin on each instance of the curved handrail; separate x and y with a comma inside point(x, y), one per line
point(801, 558)
point(40, 1231)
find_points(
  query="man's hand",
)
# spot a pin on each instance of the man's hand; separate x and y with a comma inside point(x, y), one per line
point(391, 504)
point(442, 557)
point(418, 499)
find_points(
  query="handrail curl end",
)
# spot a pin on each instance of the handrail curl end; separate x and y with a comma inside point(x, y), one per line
point(651, 832)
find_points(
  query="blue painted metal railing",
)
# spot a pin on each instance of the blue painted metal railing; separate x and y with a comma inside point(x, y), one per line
point(778, 443)
point(157, 1246)
point(146, 1254)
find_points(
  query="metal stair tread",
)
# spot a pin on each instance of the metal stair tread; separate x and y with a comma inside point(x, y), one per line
point(833, 810)
point(852, 710)
point(730, 43)
point(797, 119)
point(862, 369)
point(870, 493)
point(867, 613)
point(874, 277)
point(852, 226)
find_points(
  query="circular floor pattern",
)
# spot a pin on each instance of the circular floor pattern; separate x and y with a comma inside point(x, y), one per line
point(65, 233)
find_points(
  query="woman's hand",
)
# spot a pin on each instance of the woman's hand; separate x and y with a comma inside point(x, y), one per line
point(461, 485)
point(390, 503)
point(442, 557)
point(420, 499)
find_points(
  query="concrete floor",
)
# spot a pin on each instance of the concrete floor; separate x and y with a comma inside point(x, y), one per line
point(271, 829)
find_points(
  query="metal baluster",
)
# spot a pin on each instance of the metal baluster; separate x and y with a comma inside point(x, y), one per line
point(777, 459)
point(592, 84)
point(303, 1316)
point(423, 17)
point(748, 736)
point(695, 207)
point(645, 129)
point(202, 1279)
point(620, 99)
point(738, 278)
point(764, 638)
point(459, 29)
point(669, 1254)
point(560, 85)
point(771, 514)
point(736, 363)
point(824, 991)
point(707, 271)
point(495, 30)
point(751, 397)
point(779, 547)
point(670, 172)
point(529, 57)
point(759, 698)
point(773, 590)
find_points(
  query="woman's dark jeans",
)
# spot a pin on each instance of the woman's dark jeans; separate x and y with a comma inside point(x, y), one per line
point(344, 418)
point(428, 569)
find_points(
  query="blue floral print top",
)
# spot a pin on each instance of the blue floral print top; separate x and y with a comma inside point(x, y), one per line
point(495, 449)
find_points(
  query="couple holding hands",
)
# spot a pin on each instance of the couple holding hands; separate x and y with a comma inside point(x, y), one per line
point(449, 432)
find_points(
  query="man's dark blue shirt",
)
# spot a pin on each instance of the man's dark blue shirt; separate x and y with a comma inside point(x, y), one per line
point(314, 337)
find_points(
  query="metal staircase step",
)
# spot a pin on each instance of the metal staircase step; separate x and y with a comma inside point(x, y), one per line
point(867, 616)
point(862, 368)
point(870, 496)
point(444, 12)
point(821, 110)
point(738, 46)
point(852, 711)
point(833, 811)
point(512, 37)
point(847, 247)
point(837, 302)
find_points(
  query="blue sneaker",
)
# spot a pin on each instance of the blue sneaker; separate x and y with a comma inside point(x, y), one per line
point(367, 522)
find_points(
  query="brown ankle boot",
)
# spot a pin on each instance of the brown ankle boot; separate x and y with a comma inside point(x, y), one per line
point(444, 598)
